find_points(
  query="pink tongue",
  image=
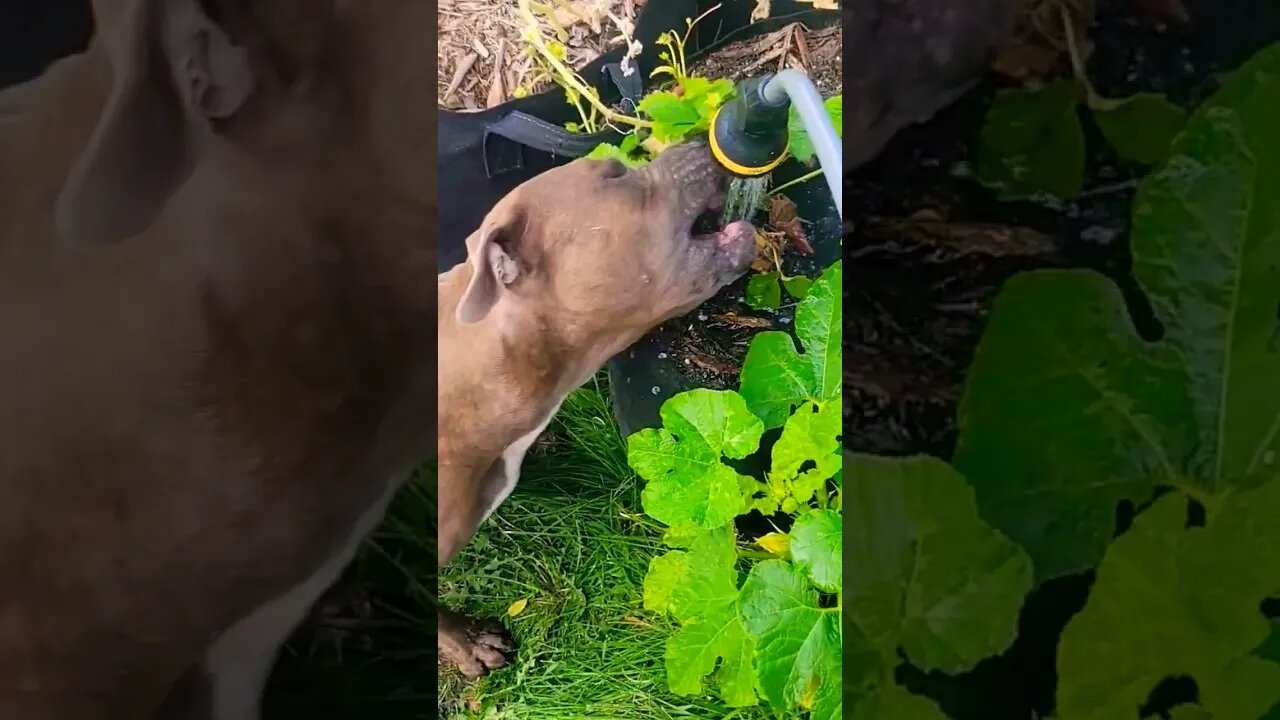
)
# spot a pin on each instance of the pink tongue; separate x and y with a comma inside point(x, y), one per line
point(735, 231)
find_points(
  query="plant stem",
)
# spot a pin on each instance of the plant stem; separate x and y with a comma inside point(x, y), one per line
point(802, 179)
point(682, 70)
point(586, 124)
point(755, 554)
point(1093, 99)
point(567, 76)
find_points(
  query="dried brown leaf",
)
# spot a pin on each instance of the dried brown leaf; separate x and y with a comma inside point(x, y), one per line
point(749, 322)
point(785, 218)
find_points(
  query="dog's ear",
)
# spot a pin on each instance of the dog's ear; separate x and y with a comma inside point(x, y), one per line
point(179, 67)
point(494, 265)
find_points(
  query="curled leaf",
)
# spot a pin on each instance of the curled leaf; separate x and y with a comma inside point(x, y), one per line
point(775, 543)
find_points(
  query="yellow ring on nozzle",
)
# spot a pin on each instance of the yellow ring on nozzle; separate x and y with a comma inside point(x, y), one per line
point(734, 167)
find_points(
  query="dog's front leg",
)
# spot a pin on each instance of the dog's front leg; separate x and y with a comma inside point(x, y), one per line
point(465, 498)
point(475, 647)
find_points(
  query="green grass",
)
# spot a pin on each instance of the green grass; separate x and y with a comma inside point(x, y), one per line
point(572, 541)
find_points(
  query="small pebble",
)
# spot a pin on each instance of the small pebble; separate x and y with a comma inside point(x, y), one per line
point(1099, 234)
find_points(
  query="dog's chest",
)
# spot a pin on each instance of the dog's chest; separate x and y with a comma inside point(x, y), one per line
point(506, 474)
point(238, 662)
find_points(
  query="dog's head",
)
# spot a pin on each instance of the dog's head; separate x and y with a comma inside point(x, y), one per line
point(604, 251)
point(271, 81)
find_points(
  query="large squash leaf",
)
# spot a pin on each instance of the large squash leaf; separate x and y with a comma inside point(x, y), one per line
point(776, 377)
point(683, 460)
point(927, 578)
point(1032, 142)
point(1173, 602)
point(1068, 411)
point(798, 640)
point(699, 587)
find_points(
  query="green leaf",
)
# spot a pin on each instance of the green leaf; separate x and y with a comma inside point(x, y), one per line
point(706, 96)
point(1031, 142)
point(798, 287)
point(687, 479)
point(816, 547)
point(800, 144)
point(1176, 601)
point(896, 703)
point(776, 377)
point(682, 534)
point(933, 579)
point(810, 437)
point(699, 587)
point(1190, 712)
point(1270, 650)
point(763, 292)
point(605, 151)
point(665, 572)
point(798, 642)
point(677, 116)
point(818, 319)
point(1067, 411)
point(1141, 128)
point(673, 116)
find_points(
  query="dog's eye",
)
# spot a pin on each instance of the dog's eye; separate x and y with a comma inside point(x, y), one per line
point(613, 169)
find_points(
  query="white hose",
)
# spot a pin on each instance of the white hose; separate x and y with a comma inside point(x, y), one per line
point(797, 86)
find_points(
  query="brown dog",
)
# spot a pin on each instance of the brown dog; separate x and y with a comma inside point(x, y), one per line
point(209, 395)
point(567, 271)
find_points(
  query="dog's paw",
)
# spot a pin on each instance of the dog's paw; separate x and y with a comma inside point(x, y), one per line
point(480, 650)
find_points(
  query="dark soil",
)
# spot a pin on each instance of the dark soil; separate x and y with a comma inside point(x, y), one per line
point(916, 297)
point(710, 344)
point(929, 250)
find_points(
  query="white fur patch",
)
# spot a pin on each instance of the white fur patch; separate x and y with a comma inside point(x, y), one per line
point(513, 457)
point(240, 660)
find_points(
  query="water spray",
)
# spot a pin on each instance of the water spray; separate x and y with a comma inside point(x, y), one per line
point(749, 133)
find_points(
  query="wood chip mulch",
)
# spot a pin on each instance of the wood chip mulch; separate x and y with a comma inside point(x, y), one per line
point(483, 59)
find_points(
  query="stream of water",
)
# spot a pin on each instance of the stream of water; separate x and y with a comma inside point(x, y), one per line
point(744, 197)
